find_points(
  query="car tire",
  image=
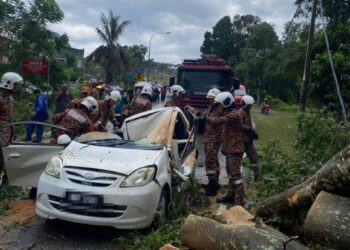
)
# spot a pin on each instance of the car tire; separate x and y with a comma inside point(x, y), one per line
point(163, 205)
point(32, 193)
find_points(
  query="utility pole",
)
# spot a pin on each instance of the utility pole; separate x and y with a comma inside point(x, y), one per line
point(307, 65)
point(149, 50)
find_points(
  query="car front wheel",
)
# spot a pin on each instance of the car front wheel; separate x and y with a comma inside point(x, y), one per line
point(163, 205)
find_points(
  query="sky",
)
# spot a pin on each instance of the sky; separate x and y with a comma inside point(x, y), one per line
point(187, 20)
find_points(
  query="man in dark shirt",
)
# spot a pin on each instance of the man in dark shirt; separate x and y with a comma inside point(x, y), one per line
point(62, 99)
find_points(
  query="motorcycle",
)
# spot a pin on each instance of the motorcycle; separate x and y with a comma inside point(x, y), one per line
point(265, 109)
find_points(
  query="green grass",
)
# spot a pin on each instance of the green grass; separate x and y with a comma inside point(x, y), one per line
point(279, 125)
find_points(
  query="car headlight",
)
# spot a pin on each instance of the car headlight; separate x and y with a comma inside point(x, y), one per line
point(54, 167)
point(140, 177)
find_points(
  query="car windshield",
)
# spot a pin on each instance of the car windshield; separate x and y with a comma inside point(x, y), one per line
point(240, 92)
point(200, 82)
point(111, 140)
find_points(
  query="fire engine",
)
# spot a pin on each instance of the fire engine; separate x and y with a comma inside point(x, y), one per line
point(198, 76)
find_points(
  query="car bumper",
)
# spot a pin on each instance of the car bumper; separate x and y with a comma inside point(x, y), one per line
point(134, 207)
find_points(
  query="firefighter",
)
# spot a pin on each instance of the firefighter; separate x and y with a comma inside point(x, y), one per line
point(75, 103)
point(142, 103)
point(106, 110)
point(76, 120)
point(7, 86)
point(177, 92)
point(232, 146)
point(128, 103)
point(212, 142)
point(249, 134)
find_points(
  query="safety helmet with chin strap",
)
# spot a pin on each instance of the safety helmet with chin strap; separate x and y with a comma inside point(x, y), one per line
point(90, 103)
point(147, 90)
point(212, 93)
point(114, 96)
point(225, 98)
point(9, 79)
point(176, 90)
point(247, 100)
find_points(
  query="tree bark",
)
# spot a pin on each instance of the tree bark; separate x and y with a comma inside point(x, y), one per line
point(206, 234)
point(333, 177)
point(328, 221)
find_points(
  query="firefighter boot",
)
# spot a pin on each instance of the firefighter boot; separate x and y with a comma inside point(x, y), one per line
point(256, 170)
point(238, 190)
point(211, 189)
point(228, 198)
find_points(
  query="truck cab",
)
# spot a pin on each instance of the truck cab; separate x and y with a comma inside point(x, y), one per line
point(198, 76)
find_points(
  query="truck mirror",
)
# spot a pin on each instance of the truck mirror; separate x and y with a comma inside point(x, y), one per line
point(171, 80)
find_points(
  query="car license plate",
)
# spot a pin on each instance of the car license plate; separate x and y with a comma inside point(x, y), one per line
point(84, 198)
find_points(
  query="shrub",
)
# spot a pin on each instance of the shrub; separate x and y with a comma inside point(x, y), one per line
point(320, 138)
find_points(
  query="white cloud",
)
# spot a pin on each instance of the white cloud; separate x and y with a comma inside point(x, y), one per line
point(187, 21)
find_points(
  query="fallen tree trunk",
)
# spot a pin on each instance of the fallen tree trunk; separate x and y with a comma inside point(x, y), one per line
point(204, 233)
point(328, 221)
point(334, 176)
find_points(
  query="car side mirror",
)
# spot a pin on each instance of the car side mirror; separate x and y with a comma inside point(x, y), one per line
point(63, 140)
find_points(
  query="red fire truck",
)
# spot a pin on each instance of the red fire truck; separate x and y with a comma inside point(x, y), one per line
point(198, 76)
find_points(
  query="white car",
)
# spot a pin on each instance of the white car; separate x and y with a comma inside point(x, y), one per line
point(101, 179)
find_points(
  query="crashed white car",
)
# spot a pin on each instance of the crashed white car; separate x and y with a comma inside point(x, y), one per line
point(102, 179)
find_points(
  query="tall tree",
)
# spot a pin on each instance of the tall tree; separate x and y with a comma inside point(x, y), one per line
point(111, 55)
point(137, 54)
point(25, 25)
point(207, 46)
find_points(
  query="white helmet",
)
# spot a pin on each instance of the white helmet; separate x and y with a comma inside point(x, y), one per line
point(213, 93)
point(247, 100)
point(90, 103)
point(9, 79)
point(225, 98)
point(114, 95)
point(176, 90)
point(147, 90)
point(63, 139)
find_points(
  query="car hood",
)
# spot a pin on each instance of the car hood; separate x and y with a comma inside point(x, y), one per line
point(121, 160)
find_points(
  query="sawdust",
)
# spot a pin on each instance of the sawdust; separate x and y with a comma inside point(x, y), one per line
point(20, 211)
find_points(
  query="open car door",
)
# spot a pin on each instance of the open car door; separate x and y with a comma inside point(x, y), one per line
point(183, 144)
point(25, 161)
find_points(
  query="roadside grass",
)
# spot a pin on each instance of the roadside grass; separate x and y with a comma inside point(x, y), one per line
point(278, 124)
point(9, 193)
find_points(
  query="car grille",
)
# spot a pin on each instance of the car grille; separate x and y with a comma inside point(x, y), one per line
point(101, 210)
point(91, 177)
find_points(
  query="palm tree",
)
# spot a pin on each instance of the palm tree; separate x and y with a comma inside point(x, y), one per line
point(111, 55)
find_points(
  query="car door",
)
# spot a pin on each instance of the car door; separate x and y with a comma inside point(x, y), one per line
point(183, 145)
point(25, 161)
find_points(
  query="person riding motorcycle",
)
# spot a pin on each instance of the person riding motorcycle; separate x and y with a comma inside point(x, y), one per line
point(265, 107)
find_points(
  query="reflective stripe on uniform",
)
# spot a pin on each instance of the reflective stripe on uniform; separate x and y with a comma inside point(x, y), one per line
point(76, 116)
point(237, 182)
point(211, 172)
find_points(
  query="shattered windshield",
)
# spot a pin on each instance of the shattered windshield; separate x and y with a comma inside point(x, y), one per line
point(112, 140)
